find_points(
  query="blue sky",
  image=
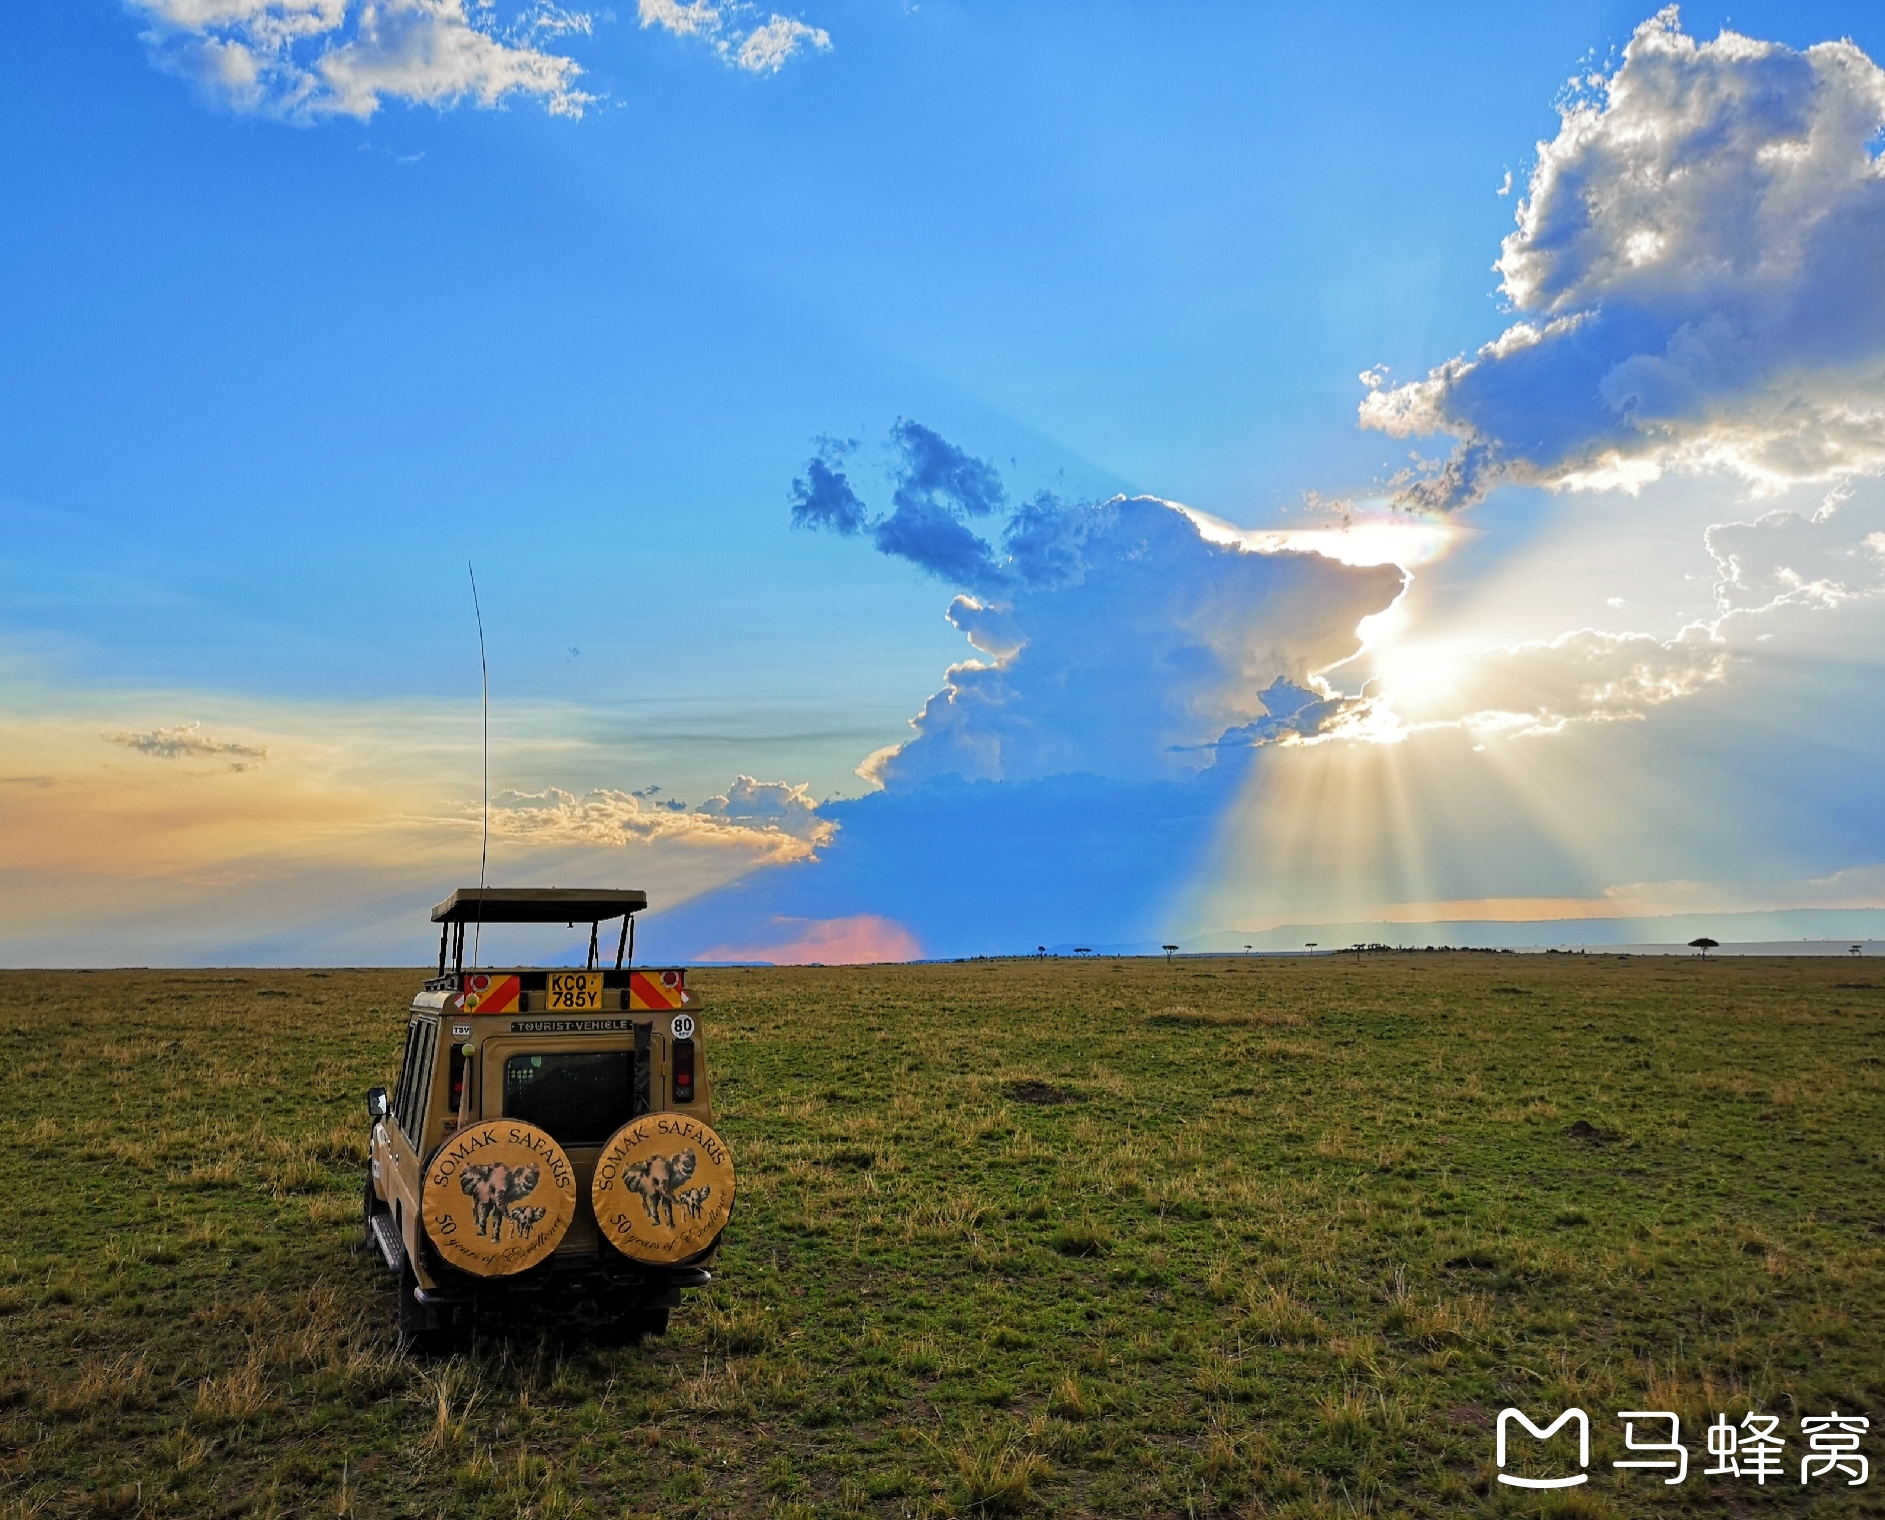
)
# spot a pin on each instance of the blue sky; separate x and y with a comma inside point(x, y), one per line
point(280, 356)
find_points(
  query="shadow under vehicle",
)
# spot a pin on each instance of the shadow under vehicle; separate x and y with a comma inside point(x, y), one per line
point(547, 1157)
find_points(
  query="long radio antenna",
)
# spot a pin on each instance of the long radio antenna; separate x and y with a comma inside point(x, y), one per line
point(484, 845)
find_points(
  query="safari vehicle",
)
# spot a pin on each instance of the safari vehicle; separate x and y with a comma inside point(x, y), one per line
point(548, 1151)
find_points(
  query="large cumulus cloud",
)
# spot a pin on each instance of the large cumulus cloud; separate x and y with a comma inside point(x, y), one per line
point(1697, 278)
point(1113, 638)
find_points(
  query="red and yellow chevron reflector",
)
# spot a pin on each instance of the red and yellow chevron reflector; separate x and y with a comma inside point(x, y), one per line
point(662, 990)
point(489, 994)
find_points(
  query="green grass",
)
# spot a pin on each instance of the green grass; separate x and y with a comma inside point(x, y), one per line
point(1269, 1237)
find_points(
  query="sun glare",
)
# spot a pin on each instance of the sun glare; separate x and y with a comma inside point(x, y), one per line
point(1398, 540)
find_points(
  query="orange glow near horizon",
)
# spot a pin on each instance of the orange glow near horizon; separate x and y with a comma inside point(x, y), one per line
point(863, 939)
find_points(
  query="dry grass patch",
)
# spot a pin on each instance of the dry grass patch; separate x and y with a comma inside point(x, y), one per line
point(104, 1386)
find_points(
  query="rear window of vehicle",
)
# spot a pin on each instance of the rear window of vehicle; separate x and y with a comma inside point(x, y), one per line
point(580, 1097)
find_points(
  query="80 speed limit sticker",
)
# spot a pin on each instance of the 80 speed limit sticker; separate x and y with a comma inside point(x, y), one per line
point(683, 1026)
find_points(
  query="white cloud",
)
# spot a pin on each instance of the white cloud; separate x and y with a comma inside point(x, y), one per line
point(766, 49)
point(769, 805)
point(1133, 639)
point(776, 821)
point(188, 741)
point(684, 18)
point(1696, 271)
point(757, 47)
point(557, 22)
point(306, 59)
point(1145, 644)
point(1769, 574)
point(429, 52)
point(1786, 559)
point(1542, 686)
point(266, 23)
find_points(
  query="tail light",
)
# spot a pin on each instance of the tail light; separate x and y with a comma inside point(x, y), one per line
point(683, 1071)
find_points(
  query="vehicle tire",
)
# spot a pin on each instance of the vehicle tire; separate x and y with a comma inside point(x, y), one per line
point(481, 1204)
point(632, 1328)
point(648, 1230)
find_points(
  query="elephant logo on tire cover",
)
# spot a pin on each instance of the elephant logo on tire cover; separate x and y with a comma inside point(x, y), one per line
point(681, 1175)
point(658, 1178)
point(495, 1191)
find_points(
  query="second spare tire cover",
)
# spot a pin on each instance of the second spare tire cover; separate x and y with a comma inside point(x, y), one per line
point(498, 1198)
point(663, 1188)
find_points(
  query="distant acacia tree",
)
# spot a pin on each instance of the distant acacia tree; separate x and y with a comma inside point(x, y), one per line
point(1170, 951)
point(1704, 944)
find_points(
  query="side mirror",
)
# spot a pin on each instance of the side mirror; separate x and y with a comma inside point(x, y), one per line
point(377, 1106)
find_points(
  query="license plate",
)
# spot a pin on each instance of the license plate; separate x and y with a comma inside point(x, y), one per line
point(575, 991)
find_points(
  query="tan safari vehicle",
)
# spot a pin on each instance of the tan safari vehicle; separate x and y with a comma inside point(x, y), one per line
point(547, 1154)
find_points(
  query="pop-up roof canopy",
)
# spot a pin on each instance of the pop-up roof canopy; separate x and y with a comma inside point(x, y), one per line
point(537, 905)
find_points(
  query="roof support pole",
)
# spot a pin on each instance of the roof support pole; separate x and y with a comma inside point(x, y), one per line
point(595, 957)
point(621, 944)
point(445, 931)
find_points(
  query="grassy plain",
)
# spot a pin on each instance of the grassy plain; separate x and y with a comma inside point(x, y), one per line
point(1108, 1238)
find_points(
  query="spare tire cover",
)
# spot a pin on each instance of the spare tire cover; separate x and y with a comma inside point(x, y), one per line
point(663, 1188)
point(498, 1197)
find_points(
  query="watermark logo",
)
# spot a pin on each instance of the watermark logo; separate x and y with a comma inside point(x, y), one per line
point(1752, 1447)
point(1676, 1458)
point(1833, 1446)
point(1749, 1450)
point(1570, 1416)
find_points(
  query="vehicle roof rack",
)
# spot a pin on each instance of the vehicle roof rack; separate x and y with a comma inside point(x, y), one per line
point(537, 905)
